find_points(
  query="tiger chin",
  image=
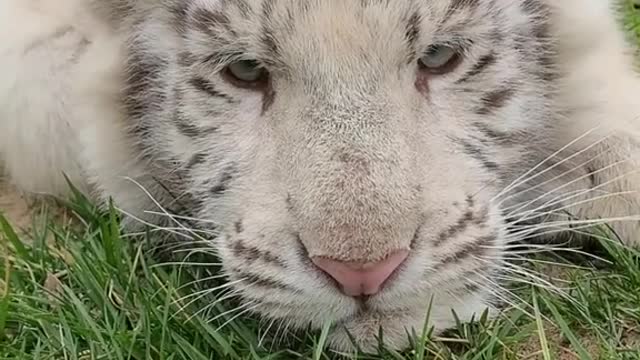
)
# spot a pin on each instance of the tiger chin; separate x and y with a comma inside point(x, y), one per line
point(358, 161)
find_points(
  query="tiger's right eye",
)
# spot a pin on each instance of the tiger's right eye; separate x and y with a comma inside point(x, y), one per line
point(440, 59)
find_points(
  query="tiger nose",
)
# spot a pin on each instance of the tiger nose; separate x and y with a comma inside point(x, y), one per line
point(358, 278)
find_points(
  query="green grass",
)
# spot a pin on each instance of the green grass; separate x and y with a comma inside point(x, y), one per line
point(632, 19)
point(86, 292)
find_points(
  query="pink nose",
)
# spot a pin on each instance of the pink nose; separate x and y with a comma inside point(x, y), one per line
point(359, 279)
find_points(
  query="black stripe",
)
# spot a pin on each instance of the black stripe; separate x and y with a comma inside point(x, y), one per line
point(490, 133)
point(178, 11)
point(252, 254)
point(183, 124)
point(543, 51)
point(483, 63)
point(144, 92)
point(222, 186)
point(463, 223)
point(187, 129)
point(592, 176)
point(459, 5)
point(239, 227)
point(210, 22)
point(207, 87)
point(258, 280)
point(413, 29)
point(186, 59)
point(196, 160)
point(477, 153)
point(141, 77)
point(460, 226)
point(532, 7)
point(242, 6)
point(467, 288)
point(475, 248)
point(268, 38)
point(496, 136)
point(289, 202)
point(494, 100)
point(269, 97)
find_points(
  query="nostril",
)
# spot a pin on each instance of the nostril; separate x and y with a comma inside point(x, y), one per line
point(358, 278)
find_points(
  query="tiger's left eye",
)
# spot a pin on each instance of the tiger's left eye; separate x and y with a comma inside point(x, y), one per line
point(246, 74)
point(440, 59)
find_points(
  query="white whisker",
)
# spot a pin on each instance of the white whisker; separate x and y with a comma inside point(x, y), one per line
point(181, 263)
point(503, 294)
point(201, 280)
point(543, 183)
point(255, 306)
point(538, 261)
point(529, 217)
point(266, 330)
point(523, 178)
point(199, 294)
point(182, 217)
point(244, 306)
point(584, 192)
point(227, 296)
point(525, 231)
point(157, 203)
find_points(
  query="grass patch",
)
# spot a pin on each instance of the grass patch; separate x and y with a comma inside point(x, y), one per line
point(632, 19)
point(87, 292)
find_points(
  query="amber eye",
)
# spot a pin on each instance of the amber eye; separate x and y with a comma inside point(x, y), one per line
point(246, 74)
point(440, 59)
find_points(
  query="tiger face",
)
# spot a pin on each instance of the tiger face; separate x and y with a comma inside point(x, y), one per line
point(350, 155)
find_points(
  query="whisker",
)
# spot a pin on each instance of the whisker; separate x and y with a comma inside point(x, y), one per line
point(506, 296)
point(181, 263)
point(265, 332)
point(154, 226)
point(233, 310)
point(526, 273)
point(561, 226)
point(543, 183)
point(202, 280)
point(257, 304)
point(157, 203)
point(530, 277)
point(227, 296)
point(529, 217)
point(538, 261)
point(585, 191)
point(172, 245)
point(182, 217)
point(205, 292)
point(523, 178)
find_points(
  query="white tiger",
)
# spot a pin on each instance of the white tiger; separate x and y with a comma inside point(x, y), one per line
point(355, 159)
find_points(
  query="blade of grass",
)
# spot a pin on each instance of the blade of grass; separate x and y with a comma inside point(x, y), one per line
point(426, 333)
point(544, 344)
point(322, 341)
point(9, 234)
point(4, 304)
point(560, 321)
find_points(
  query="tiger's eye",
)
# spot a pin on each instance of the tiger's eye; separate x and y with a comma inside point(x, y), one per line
point(246, 74)
point(439, 59)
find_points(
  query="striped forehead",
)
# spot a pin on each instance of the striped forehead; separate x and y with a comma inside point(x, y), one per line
point(290, 29)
